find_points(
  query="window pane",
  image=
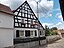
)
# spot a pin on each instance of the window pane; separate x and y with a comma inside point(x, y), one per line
point(21, 33)
point(27, 33)
point(35, 33)
point(40, 33)
point(31, 33)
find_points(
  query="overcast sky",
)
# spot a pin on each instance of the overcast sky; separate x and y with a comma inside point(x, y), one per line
point(44, 5)
point(49, 11)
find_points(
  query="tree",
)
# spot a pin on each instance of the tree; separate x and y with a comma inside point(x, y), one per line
point(54, 28)
point(52, 31)
point(47, 30)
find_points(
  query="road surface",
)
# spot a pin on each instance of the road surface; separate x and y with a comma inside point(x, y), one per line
point(56, 44)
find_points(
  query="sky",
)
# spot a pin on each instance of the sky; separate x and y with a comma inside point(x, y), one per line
point(49, 11)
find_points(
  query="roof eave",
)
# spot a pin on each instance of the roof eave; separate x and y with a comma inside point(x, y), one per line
point(7, 13)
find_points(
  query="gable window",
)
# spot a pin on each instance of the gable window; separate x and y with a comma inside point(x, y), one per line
point(22, 20)
point(22, 14)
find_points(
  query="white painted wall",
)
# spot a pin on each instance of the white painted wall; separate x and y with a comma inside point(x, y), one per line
point(6, 30)
point(6, 37)
point(6, 20)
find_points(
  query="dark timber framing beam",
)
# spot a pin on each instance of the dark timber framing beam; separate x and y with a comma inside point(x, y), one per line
point(62, 7)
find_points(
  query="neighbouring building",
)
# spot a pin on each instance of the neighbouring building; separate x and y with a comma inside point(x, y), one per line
point(6, 26)
point(19, 23)
point(58, 32)
point(62, 32)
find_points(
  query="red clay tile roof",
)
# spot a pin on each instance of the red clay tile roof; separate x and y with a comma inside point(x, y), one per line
point(5, 9)
point(35, 24)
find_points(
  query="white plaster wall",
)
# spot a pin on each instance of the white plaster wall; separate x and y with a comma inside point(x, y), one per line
point(6, 30)
point(6, 37)
point(6, 20)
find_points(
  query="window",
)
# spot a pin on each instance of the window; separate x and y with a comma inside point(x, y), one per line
point(19, 20)
point(25, 15)
point(15, 20)
point(22, 25)
point(40, 33)
point(22, 20)
point(25, 8)
point(19, 14)
point(22, 14)
point(21, 33)
point(27, 33)
point(35, 33)
point(29, 25)
point(25, 25)
point(25, 11)
point(32, 21)
point(17, 33)
point(16, 24)
point(31, 33)
point(28, 16)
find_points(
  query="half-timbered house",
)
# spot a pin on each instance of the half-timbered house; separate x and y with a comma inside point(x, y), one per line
point(26, 23)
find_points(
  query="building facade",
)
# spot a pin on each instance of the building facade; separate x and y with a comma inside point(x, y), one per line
point(6, 26)
point(62, 32)
point(26, 23)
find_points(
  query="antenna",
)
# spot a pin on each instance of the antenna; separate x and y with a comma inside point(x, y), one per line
point(37, 1)
point(37, 10)
point(26, 0)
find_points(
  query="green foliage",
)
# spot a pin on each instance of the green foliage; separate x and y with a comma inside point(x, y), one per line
point(49, 32)
point(54, 28)
point(53, 33)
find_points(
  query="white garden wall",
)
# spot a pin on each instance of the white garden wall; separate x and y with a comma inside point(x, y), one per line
point(6, 37)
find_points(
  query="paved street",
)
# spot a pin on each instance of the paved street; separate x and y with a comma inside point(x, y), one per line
point(57, 44)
